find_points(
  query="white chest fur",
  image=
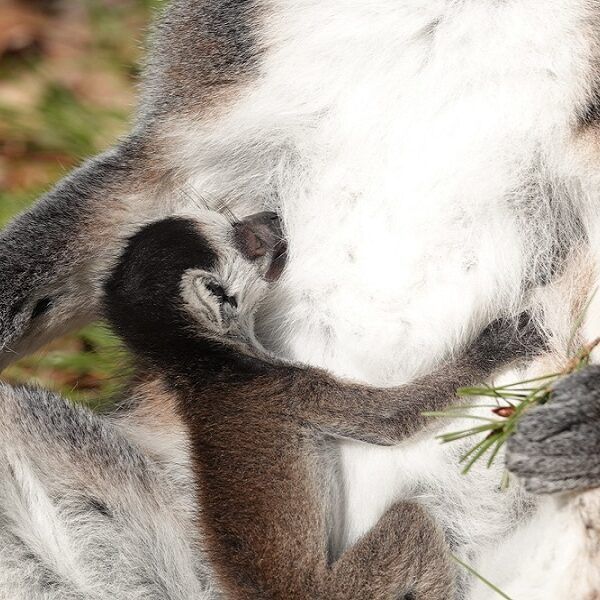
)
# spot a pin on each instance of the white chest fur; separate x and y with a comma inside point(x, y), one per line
point(400, 140)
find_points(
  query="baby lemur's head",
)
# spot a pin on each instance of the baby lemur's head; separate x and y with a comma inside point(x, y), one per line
point(200, 277)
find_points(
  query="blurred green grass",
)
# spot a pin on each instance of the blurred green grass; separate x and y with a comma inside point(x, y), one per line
point(67, 74)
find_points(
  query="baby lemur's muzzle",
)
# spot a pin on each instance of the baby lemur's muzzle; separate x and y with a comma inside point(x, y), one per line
point(260, 235)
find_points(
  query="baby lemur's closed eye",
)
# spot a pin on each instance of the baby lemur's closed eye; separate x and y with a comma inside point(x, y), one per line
point(183, 297)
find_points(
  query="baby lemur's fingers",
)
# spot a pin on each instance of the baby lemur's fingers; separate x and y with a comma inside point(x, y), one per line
point(510, 338)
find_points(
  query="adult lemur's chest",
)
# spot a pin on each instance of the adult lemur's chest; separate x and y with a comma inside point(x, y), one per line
point(407, 146)
point(415, 151)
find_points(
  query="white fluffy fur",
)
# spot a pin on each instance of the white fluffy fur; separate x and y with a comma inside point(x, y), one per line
point(405, 143)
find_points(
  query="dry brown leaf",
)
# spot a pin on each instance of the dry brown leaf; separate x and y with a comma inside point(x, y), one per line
point(21, 27)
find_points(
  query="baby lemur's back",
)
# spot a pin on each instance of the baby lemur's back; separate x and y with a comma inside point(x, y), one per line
point(183, 296)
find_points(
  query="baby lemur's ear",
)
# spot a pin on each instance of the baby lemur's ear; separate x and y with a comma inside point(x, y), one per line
point(207, 301)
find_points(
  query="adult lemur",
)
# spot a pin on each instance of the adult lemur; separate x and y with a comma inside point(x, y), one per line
point(434, 163)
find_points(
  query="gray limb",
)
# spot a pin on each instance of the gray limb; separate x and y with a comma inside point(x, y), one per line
point(85, 513)
point(52, 255)
point(556, 447)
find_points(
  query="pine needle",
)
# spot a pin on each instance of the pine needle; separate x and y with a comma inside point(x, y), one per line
point(480, 577)
point(516, 399)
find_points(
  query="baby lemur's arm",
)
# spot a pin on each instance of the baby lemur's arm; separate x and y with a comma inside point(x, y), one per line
point(386, 416)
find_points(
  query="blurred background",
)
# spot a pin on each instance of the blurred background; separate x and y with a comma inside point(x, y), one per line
point(68, 70)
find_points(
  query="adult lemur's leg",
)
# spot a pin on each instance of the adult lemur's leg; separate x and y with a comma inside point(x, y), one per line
point(86, 513)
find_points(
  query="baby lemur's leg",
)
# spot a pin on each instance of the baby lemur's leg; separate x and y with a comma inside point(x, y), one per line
point(405, 556)
point(388, 416)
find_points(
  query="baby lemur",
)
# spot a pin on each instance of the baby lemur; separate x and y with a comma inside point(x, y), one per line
point(182, 296)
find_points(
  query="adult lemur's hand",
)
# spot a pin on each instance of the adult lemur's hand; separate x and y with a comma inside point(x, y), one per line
point(556, 447)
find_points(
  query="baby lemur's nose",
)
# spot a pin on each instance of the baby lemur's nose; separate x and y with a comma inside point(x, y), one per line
point(258, 234)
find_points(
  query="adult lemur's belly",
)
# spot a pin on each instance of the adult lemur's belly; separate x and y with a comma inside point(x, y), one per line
point(419, 211)
point(413, 150)
point(385, 278)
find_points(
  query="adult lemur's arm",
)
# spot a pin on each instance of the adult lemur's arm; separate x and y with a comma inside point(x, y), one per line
point(202, 55)
point(556, 446)
point(51, 256)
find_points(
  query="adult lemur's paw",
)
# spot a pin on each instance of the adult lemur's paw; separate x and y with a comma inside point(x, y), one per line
point(556, 447)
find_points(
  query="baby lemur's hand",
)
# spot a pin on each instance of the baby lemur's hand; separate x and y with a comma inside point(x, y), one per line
point(509, 339)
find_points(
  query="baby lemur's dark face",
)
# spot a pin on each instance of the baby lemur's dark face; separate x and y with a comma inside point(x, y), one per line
point(204, 271)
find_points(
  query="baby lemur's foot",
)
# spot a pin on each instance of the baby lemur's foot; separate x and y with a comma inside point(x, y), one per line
point(404, 556)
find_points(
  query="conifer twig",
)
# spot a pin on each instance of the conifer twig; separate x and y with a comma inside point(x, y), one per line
point(513, 401)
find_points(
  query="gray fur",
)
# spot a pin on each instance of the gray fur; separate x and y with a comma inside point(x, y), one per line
point(67, 232)
point(200, 50)
point(556, 447)
point(86, 513)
